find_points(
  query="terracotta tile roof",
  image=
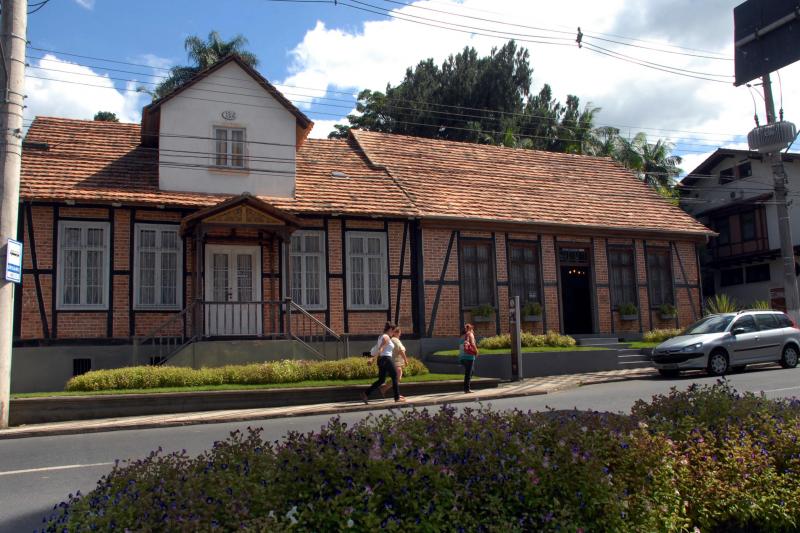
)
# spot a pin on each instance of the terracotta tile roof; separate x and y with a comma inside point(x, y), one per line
point(92, 161)
point(463, 180)
point(390, 175)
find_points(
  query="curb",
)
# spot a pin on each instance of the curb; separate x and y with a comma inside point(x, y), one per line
point(217, 417)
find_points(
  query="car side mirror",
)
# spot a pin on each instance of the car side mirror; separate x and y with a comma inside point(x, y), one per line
point(738, 331)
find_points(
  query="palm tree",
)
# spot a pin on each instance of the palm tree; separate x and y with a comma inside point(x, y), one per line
point(203, 54)
point(653, 162)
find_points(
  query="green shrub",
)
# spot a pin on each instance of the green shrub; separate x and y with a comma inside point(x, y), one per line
point(721, 303)
point(532, 309)
point(667, 309)
point(627, 309)
point(484, 310)
point(704, 459)
point(660, 335)
point(761, 305)
point(287, 371)
point(529, 340)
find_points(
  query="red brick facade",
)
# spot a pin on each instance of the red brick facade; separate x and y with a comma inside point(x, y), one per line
point(424, 276)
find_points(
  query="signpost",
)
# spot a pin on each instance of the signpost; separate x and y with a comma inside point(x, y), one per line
point(14, 261)
point(766, 35)
point(514, 320)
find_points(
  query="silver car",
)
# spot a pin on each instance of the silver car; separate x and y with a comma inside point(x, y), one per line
point(730, 341)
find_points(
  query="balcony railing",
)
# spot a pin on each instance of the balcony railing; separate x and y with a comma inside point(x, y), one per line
point(737, 248)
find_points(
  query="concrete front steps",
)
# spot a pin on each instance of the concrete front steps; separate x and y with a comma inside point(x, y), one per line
point(633, 358)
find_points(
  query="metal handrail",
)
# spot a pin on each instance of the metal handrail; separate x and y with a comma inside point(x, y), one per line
point(153, 335)
point(314, 319)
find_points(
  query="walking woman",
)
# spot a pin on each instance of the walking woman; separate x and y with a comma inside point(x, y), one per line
point(399, 359)
point(468, 351)
point(383, 351)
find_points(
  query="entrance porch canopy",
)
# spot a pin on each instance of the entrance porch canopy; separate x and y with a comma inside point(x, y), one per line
point(243, 212)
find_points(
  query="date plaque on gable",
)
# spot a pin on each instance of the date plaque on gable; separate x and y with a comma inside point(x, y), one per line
point(229, 115)
point(246, 216)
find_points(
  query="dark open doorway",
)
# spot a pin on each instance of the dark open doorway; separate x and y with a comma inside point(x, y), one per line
point(576, 290)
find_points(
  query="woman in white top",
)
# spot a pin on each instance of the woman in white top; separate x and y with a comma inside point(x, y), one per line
point(385, 348)
point(399, 359)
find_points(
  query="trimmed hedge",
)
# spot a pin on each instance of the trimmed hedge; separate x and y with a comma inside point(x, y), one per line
point(660, 335)
point(707, 458)
point(287, 371)
point(529, 340)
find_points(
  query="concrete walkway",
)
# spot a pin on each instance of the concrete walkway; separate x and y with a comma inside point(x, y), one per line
point(528, 387)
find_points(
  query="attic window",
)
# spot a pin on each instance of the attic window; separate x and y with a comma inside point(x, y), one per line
point(339, 175)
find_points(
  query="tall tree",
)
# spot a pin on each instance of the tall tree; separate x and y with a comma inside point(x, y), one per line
point(202, 54)
point(653, 162)
point(473, 98)
point(106, 116)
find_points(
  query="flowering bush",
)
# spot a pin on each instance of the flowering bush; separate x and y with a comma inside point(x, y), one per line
point(288, 371)
point(682, 461)
point(660, 335)
point(529, 340)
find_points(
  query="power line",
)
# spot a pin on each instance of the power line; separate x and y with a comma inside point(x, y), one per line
point(325, 90)
point(445, 114)
point(37, 6)
point(572, 33)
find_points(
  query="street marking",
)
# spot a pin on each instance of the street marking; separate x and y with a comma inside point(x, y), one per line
point(785, 388)
point(50, 468)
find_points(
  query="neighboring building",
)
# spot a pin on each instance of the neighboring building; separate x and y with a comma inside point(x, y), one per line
point(732, 193)
point(177, 231)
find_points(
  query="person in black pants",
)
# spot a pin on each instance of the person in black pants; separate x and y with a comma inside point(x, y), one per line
point(383, 351)
point(467, 352)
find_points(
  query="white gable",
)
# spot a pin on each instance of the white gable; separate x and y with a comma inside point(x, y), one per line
point(228, 99)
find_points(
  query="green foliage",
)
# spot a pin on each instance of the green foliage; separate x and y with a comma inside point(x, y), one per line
point(761, 305)
point(529, 340)
point(705, 459)
point(106, 116)
point(721, 303)
point(287, 371)
point(484, 310)
point(667, 309)
point(627, 309)
point(202, 55)
point(532, 309)
point(660, 335)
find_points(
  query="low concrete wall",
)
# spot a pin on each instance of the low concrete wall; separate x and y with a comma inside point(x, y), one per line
point(533, 364)
point(59, 409)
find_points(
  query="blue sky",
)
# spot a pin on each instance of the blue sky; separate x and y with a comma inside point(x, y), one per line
point(338, 50)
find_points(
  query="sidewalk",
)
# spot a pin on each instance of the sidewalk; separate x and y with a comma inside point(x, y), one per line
point(528, 387)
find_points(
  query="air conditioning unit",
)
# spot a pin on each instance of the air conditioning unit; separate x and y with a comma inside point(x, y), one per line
point(772, 137)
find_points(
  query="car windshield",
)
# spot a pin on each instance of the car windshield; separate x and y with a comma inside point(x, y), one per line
point(709, 324)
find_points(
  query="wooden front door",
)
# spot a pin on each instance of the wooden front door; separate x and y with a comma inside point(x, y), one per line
point(233, 290)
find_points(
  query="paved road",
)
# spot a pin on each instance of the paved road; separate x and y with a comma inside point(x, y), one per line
point(37, 473)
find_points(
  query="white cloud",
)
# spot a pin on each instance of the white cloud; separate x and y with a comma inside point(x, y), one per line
point(631, 96)
point(86, 4)
point(79, 93)
point(323, 127)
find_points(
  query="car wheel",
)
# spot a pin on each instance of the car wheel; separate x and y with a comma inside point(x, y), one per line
point(717, 363)
point(669, 372)
point(789, 357)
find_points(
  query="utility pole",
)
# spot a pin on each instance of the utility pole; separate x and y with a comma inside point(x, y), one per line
point(775, 159)
point(13, 27)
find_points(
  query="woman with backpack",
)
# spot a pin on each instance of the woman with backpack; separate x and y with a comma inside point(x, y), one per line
point(468, 351)
point(383, 351)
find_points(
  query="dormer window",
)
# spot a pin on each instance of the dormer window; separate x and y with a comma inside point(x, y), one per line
point(229, 147)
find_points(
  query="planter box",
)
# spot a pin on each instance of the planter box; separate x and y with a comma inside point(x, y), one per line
point(532, 318)
point(533, 364)
point(483, 319)
point(628, 318)
point(667, 317)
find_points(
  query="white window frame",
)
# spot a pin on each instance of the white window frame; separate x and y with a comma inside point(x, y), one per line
point(179, 281)
point(323, 278)
point(384, 271)
point(84, 225)
point(228, 147)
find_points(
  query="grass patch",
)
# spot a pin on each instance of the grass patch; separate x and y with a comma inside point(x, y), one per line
point(533, 349)
point(424, 378)
point(642, 344)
